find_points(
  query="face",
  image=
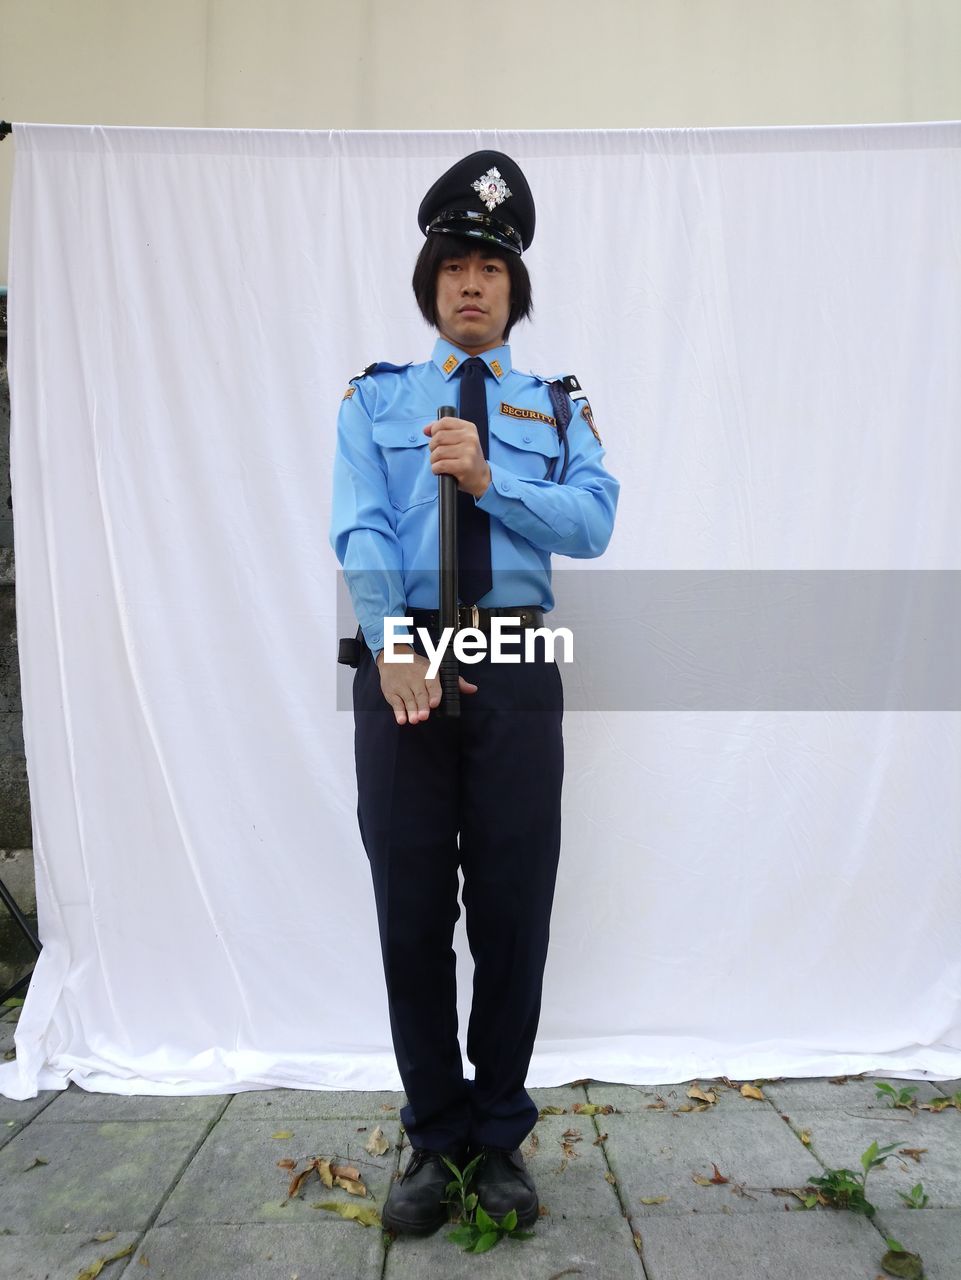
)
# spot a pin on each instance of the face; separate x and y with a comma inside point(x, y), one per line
point(473, 301)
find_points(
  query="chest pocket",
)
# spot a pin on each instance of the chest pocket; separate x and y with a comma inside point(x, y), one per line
point(525, 447)
point(406, 452)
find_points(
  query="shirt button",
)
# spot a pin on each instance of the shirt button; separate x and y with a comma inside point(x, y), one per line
point(412, 437)
point(527, 439)
point(505, 486)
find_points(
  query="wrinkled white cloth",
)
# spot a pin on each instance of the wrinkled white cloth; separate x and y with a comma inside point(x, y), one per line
point(767, 323)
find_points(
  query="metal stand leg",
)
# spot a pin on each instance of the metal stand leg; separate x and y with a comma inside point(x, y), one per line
point(23, 925)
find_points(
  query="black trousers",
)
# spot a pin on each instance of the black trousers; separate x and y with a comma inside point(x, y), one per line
point(483, 793)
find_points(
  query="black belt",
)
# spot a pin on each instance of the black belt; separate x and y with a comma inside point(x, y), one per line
point(469, 615)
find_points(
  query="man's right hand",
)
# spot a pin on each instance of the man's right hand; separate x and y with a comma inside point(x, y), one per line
point(406, 687)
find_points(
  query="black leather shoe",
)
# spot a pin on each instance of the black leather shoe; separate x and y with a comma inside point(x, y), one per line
point(415, 1204)
point(502, 1183)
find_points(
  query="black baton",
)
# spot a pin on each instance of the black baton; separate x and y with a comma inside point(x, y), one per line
point(447, 603)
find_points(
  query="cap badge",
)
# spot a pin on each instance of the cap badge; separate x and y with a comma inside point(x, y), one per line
point(492, 189)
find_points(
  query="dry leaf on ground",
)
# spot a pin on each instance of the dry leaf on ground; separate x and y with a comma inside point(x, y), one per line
point(694, 1092)
point(91, 1272)
point(353, 1185)
point(377, 1144)
point(355, 1212)
point(751, 1091)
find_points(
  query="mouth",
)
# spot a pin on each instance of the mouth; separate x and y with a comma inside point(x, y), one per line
point(470, 311)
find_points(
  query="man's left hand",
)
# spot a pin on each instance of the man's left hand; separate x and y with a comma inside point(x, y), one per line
point(455, 450)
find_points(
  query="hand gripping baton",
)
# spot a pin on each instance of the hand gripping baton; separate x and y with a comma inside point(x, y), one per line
point(447, 604)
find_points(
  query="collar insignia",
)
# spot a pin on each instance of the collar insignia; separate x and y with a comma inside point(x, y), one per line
point(496, 369)
point(450, 364)
point(492, 189)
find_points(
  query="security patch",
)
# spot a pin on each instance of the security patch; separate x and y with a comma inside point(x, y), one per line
point(530, 415)
point(589, 419)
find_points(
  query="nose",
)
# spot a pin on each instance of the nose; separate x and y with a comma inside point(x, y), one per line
point(471, 284)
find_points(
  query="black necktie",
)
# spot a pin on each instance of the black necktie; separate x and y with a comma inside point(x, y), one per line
point(474, 577)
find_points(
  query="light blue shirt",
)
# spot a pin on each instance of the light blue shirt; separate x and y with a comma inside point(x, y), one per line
point(384, 513)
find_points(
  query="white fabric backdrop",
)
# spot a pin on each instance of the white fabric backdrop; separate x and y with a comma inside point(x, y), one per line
point(767, 322)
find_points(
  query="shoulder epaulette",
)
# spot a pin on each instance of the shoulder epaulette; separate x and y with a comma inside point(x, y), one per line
point(576, 392)
point(573, 387)
point(380, 366)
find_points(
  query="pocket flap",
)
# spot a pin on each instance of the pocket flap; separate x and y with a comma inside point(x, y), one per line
point(400, 435)
point(536, 437)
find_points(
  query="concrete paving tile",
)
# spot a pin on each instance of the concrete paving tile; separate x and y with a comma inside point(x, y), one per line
point(598, 1247)
point(315, 1104)
point(234, 1177)
point(75, 1104)
point(560, 1096)
point(631, 1098)
point(40, 1257)
point(98, 1177)
point(948, 1087)
point(14, 1115)
point(656, 1155)
point(799, 1245)
point(839, 1137)
point(570, 1187)
point(326, 1247)
point(817, 1093)
point(935, 1234)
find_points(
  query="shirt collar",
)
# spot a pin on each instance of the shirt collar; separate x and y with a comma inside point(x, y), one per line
point(449, 359)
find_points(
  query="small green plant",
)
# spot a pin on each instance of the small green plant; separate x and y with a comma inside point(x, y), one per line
point(917, 1198)
point(477, 1231)
point(899, 1262)
point(845, 1189)
point(458, 1189)
point(939, 1104)
point(896, 1097)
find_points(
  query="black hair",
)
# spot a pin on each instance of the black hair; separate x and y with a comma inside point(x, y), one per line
point(440, 245)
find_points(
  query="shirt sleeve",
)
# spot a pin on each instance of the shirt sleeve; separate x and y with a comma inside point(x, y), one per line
point(363, 522)
point(575, 518)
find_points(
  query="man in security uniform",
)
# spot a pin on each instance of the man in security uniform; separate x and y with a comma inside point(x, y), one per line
point(480, 792)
